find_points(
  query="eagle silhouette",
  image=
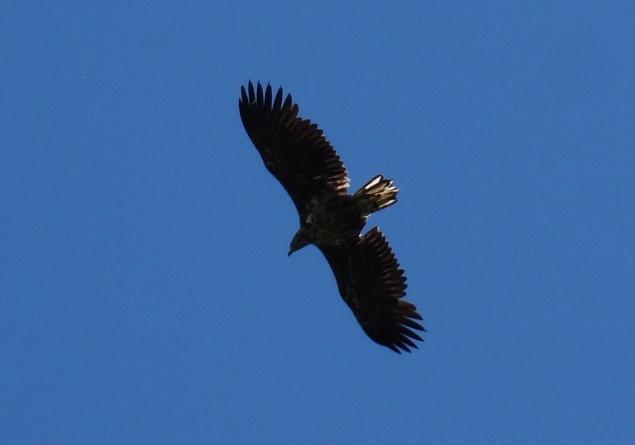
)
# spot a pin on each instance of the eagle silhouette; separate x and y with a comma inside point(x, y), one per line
point(368, 276)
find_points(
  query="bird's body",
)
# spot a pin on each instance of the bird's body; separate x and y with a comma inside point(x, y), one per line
point(331, 220)
point(367, 272)
point(336, 220)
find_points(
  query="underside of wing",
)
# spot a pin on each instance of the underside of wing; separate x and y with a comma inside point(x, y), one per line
point(293, 149)
point(372, 284)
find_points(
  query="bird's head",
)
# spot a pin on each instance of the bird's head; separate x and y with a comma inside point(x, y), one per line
point(299, 241)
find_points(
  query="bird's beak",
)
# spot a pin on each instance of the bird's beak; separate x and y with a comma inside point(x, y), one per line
point(291, 250)
point(297, 243)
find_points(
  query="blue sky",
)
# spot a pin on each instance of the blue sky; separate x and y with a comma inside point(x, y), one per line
point(145, 291)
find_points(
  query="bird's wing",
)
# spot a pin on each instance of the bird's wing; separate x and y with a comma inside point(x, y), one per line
point(372, 284)
point(293, 149)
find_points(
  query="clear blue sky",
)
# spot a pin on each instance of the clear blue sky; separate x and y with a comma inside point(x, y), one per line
point(146, 296)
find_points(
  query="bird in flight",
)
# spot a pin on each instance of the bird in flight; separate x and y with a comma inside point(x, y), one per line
point(368, 276)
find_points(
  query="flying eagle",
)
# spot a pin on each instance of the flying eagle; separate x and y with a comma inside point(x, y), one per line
point(368, 276)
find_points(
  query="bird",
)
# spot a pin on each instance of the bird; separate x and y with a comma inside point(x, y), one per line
point(368, 275)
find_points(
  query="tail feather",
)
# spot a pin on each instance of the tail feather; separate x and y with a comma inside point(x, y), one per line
point(376, 194)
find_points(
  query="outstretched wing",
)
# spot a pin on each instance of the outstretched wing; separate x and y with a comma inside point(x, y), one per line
point(372, 284)
point(293, 149)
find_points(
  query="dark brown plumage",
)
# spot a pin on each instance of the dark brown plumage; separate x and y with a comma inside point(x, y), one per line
point(368, 276)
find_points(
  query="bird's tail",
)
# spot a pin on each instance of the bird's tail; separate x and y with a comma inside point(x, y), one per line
point(376, 194)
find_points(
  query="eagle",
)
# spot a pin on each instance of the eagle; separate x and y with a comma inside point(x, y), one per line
point(367, 273)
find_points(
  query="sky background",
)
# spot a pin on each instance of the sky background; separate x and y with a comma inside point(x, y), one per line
point(146, 296)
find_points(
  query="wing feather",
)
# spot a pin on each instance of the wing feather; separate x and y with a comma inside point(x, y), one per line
point(293, 149)
point(372, 285)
